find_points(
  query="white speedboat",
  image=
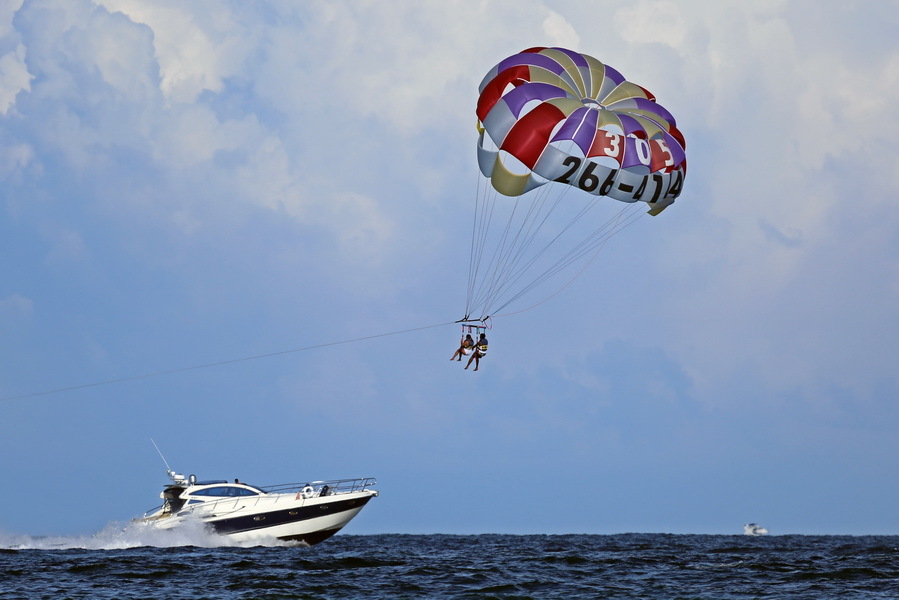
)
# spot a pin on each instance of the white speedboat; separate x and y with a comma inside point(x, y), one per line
point(307, 513)
point(754, 529)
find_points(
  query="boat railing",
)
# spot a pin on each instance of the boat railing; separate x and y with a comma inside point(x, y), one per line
point(153, 511)
point(329, 487)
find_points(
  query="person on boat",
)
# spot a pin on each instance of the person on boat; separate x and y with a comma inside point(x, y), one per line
point(479, 352)
point(465, 347)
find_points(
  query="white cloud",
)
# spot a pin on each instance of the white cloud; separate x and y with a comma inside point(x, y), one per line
point(14, 77)
point(65, 245)
point(16, 305)
point(7, 15)
point(13, 159)
point(560, 32)
point(189, 135)
point(197, 45)
point(645, 22)
point(798, 166)
point(364, 233)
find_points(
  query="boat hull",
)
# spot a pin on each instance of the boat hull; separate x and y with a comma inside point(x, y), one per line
point(285, 517)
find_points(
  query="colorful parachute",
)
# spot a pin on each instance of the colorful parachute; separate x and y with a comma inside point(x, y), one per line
point(569, 118)
point(552, 115)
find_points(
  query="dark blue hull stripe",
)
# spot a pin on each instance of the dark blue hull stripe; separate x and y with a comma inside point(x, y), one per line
point(290, 515)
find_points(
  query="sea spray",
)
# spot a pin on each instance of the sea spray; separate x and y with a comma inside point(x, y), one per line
point(119, 536)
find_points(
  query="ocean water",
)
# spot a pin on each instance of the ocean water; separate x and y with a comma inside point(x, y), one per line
point(121, 564)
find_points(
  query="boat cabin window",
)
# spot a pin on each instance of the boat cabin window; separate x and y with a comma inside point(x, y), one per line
point(225, 490)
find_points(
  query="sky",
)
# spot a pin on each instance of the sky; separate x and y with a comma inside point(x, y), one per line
point(293, 183)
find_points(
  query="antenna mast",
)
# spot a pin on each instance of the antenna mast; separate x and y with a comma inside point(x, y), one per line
point(167, 469)
point(175, 477)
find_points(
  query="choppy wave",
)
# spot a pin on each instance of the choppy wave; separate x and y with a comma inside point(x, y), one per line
point(128, 562)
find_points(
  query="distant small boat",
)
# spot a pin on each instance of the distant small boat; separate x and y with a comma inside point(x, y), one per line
point(754, 529)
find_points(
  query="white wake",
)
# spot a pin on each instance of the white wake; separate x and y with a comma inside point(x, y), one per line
point(118, 536)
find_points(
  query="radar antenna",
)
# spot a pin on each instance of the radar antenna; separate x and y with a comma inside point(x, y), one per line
point(175, 477)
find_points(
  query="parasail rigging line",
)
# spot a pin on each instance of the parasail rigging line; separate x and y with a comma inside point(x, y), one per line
point(515, 270)
point(514, 239)
point(598, 245)
point(214, 364)
point(483, 215)
point(599, 237)
point(493, 275)
point(512, 248)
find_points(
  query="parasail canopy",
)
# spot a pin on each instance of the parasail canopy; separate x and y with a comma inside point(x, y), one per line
point(566, 117)
point(555, 116)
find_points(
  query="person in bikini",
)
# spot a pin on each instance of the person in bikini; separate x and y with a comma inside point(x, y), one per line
point(465, 347)
point(479, 352)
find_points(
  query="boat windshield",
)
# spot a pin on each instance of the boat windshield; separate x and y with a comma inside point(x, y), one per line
point(224, 490)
